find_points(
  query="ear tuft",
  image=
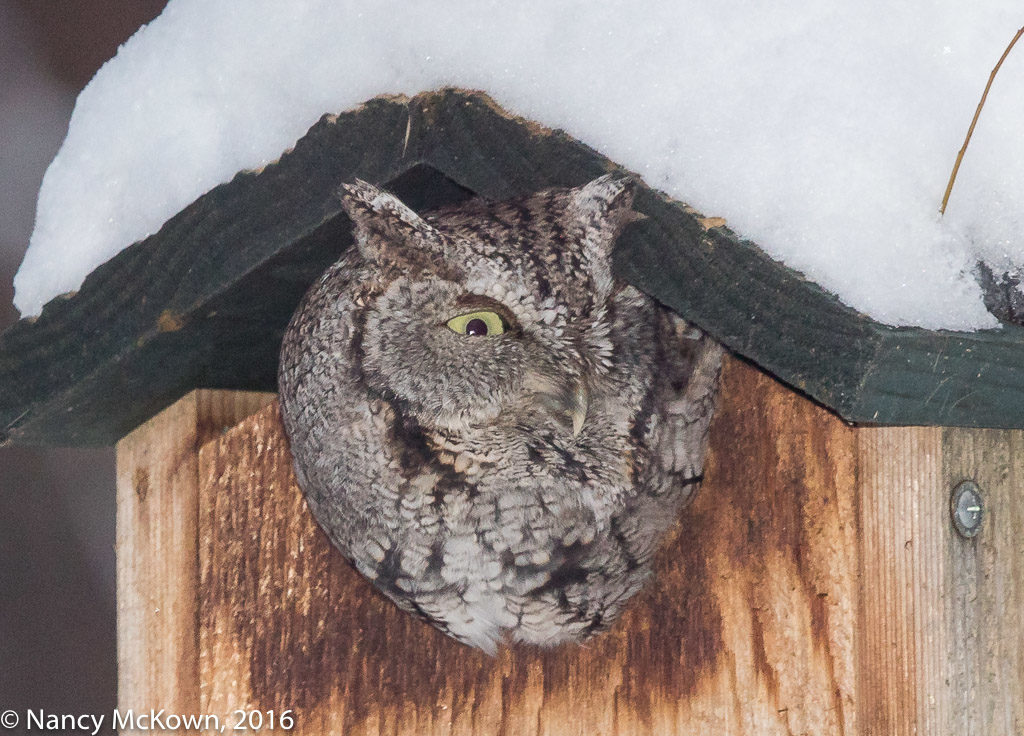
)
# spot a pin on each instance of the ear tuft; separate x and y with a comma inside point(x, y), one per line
point(362, 199)
point(603, 207)
point(609, 195)
point(383, 223)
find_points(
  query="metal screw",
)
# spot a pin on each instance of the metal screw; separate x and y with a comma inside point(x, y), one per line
point(966, 508)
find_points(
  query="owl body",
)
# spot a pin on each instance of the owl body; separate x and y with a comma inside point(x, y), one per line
point(490, 426)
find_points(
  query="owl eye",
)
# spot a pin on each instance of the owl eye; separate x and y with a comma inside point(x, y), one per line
point(476, 324)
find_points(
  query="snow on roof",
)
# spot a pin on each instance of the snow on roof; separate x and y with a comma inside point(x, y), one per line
point(824, 132)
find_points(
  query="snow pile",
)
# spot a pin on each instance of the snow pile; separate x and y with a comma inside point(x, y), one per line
point(825, 132)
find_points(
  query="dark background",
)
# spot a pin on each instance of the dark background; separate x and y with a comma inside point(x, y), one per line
point(57, 607)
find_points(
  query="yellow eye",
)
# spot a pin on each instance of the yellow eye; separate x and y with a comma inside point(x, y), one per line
point(477, 324)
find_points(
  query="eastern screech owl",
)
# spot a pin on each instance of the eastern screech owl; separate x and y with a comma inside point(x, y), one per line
point(491, 427)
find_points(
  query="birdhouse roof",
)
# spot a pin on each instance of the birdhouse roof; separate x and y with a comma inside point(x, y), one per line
point(204, 301)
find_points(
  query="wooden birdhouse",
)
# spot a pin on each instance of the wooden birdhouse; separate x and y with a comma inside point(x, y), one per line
point(852, 564)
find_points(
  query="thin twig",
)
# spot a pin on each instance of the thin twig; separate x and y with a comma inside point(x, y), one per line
point(960, 156)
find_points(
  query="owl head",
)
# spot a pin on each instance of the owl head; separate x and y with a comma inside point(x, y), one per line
point(487, 309)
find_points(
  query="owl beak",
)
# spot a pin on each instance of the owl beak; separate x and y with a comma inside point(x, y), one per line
point(578, 405)
point(565, 397)
point(570, 404)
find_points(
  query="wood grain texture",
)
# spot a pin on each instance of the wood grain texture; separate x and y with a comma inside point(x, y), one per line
point(984, 577)
point(748, 627)
point(902, 520)
point(204, 301)
point(942, 617)
point(157, 549)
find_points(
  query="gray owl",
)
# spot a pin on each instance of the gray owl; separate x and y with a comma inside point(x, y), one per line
point(488, 424)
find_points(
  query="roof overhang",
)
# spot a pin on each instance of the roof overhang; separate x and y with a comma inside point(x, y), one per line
point(203, 303)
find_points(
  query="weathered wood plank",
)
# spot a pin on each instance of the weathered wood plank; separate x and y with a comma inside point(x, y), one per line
point(157, 549)
point(902, 639)
point(984, 580)
point(941, 625)
point(780, 524)
point(203, 302)
point(747, 628)
point(815, 586)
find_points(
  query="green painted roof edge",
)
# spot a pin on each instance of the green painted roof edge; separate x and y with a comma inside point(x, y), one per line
point(202, 303)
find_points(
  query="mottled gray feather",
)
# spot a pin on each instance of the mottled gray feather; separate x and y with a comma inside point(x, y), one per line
point(502, 487)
